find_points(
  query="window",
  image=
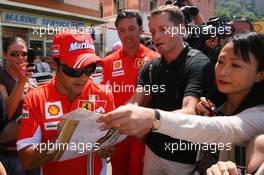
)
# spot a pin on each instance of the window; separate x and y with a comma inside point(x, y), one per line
point(152, 4)
point(118, 6)
point(101, 10)
point(38, 46)
point(48, 48)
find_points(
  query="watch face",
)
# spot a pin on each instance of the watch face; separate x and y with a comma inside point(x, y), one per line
point(156, 125)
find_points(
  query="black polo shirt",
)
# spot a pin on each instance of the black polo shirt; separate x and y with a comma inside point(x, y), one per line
point(190, 74)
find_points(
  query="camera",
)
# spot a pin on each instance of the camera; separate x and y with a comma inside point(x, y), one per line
point(189, 12)
point(197, 35)
point(215, 27)
point(179, 3)
point(228, 29)
point(31, 57)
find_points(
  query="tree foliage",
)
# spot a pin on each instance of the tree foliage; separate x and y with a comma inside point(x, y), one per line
point(246, 8)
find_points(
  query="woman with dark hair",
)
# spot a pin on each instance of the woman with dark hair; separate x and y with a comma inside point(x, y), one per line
point(13, 86)
point(239, 75)
point(238, 91)
point(14, 78)
point(247, 48)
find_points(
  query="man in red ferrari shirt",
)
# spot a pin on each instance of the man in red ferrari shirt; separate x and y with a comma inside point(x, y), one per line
point(120, 72)
point(71, 88)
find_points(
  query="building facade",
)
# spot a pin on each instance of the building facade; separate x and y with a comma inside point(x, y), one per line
point(109, 9)
point(38, 21)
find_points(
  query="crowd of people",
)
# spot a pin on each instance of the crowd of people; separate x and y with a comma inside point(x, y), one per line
point(179, 97)
point(42, 64)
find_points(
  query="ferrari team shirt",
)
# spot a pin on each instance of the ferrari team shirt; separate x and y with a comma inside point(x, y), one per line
point(120, 72)
point(42, 110)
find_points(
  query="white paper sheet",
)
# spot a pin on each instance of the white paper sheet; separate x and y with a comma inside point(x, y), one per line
point(87, 136)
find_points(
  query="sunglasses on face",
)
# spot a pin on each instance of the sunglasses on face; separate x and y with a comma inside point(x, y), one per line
point(16, 54)
point(88, 70)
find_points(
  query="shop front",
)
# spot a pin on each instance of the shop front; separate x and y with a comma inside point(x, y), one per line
point(38, 28)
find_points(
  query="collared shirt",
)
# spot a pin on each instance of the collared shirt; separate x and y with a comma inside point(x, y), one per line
point(42, 110)
point(190, 74)
point(121, 72)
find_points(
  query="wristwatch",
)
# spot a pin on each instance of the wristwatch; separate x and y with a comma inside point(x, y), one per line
point(156, 123)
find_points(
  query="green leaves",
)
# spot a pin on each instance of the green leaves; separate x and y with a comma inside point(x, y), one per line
point(246, 8)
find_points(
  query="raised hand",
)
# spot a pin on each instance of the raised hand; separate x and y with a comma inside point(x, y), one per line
point(223, 168)
point(204, 107)
point(129, 119)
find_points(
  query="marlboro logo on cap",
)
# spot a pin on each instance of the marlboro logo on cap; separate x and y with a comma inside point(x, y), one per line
point(79, 46)
point(76, 50)
point(55, 50)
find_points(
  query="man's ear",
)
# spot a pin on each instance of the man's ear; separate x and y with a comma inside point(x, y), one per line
point(260, 76)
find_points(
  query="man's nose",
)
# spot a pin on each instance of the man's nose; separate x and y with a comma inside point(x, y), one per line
point(127, 33)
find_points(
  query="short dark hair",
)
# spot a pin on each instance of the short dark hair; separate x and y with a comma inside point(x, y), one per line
point(245, 43)
point(175, 14)
point(11, 40)
point(129, 14)
point(250, 42)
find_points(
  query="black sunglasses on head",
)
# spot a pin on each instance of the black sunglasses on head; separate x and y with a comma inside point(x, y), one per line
point(17, 53)
point(88, 70)
point(126, 14)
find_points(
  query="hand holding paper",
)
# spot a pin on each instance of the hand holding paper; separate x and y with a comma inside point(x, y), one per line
point(81, 134)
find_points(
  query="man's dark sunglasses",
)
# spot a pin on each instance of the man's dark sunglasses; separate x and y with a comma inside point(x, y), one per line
point(88, 70)
point(126, 14)
point(16, 54)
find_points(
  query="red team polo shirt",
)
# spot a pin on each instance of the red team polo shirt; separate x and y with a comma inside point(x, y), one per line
point(41, 113)
point(121, 72)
